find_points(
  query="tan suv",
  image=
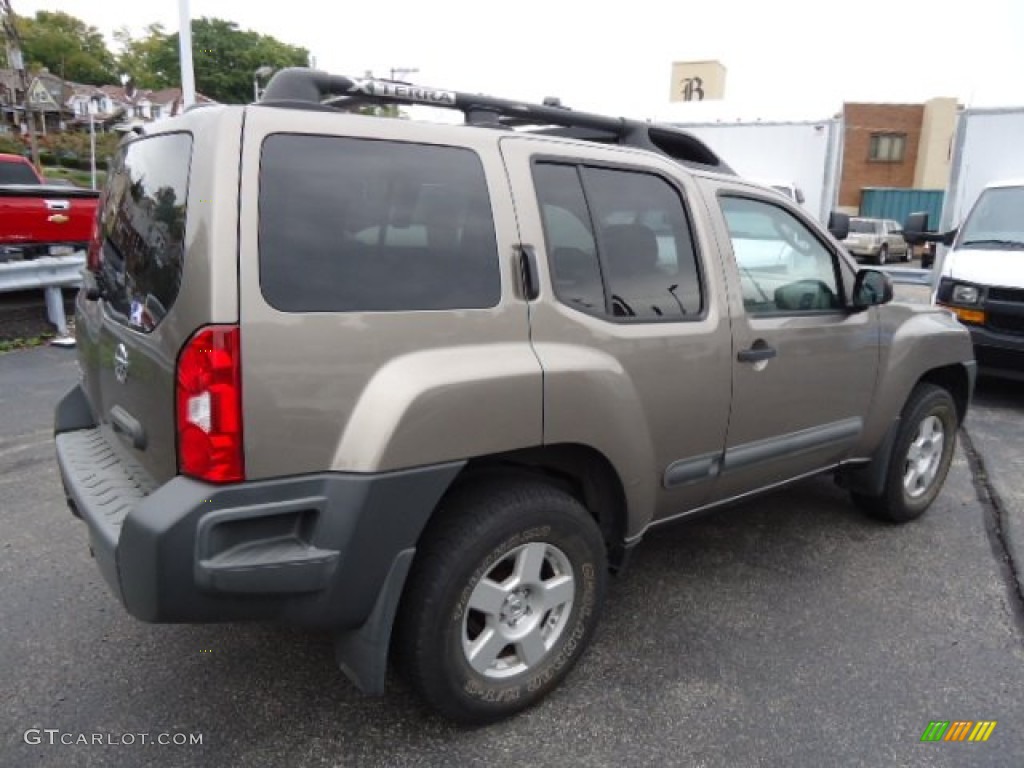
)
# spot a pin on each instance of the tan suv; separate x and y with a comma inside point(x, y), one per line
point(364, 374)
point(877, 240)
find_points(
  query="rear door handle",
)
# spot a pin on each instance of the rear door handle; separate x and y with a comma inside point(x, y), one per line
point(528, 272)
point(758, 351)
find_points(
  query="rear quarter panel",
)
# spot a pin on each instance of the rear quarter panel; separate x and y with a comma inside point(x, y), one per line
point(386, 390)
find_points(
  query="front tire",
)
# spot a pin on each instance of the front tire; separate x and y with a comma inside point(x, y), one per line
point(920, 459)
point(502, 600)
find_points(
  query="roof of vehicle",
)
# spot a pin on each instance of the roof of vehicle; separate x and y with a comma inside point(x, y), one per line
point(12, 159)
point(1005, 183)
point(300, 88)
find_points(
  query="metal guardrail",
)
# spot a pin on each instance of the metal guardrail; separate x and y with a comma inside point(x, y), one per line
point(52, 274)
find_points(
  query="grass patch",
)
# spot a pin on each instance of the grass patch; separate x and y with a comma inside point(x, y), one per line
point(9, 345)
point(81, 178)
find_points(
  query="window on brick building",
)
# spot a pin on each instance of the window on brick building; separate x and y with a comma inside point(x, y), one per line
point(887, 147)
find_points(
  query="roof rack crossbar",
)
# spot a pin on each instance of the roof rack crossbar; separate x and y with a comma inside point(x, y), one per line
point(296, 85)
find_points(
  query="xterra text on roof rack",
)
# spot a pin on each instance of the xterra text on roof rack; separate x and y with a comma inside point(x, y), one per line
point(424, 385)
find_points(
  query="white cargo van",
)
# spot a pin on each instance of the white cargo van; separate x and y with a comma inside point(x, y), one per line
point(981, 278)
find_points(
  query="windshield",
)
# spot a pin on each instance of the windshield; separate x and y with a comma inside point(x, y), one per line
point(864, 226)
point(997, 220)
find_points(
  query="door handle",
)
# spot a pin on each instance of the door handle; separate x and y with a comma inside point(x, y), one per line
point(758, 351)
point(528, 272)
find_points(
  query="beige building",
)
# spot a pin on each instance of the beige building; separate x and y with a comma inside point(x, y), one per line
point(697, 81)
point(933, 155)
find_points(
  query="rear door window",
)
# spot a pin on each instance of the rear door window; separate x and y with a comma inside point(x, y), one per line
point(619, 243)
point(143, 228)
point(357, 225)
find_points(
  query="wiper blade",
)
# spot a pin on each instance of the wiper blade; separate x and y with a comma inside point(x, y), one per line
point(996, 242)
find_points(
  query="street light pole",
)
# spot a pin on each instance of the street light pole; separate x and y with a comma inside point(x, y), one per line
point(92, 145)
point(188, 75)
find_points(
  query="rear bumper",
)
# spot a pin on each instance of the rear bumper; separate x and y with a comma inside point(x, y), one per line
point(314, 550)
point(33, 250)
point(863, 251)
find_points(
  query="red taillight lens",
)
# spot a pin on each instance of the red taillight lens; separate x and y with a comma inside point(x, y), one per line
point(94, 255)
point(209, 406)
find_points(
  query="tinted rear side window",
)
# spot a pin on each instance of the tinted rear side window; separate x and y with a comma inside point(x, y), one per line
point(143, 225)
point(16, 173)
point(350, 225)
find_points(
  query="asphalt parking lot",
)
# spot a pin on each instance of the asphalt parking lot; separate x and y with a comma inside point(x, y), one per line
point(788, 631)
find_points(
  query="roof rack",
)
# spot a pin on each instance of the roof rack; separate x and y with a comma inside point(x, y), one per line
point(314, 89)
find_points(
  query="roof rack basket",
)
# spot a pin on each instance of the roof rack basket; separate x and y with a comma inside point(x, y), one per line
point(313, 89)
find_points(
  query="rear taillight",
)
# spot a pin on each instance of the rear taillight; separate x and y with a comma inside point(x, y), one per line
point(208, 403)
point(94, 255)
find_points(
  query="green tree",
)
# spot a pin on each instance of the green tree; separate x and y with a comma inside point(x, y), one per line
point(148, 59)
point(224, 58)
point(67, 46)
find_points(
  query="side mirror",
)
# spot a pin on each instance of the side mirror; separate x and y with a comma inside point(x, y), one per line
point(915, 231)
point(871, 288)
point(800, 195)
point(839, 225)
point(915, 226)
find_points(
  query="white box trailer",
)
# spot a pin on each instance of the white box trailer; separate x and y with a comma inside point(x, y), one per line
point(988, 146)
point(806, 153)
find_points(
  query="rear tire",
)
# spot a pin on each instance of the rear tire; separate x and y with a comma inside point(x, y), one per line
point(883, 255)
point(920, 458)
point(503, 598)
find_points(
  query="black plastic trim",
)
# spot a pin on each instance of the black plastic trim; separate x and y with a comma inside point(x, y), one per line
point(73, 412)
point(313, 550)
point(869, 478)
point(362, 654)
point(748, 454)
point(686, 471)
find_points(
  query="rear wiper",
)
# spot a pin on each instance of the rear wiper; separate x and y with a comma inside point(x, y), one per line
point(1012, 244)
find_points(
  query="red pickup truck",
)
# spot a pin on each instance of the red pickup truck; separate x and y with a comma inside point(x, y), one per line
point(39, 219)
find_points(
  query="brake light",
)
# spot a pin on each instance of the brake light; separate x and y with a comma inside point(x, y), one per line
point(94, 255)
point(208, 402)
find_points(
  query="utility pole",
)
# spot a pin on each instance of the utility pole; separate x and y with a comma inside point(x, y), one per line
point(16, 60)
point(188, 75)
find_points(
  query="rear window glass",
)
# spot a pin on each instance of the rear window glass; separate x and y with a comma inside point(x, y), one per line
point(865, 226)
point(143, 226)
point(16, 173)
point(355, 225)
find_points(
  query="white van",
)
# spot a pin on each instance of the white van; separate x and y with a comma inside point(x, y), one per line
point(981, 278)
point(788, 188)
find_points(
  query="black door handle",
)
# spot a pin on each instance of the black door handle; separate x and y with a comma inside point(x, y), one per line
point(758, 352)
point(528, 272)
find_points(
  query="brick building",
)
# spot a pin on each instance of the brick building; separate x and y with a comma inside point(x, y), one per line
point(905, 146)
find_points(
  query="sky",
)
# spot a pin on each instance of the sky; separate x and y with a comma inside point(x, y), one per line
point(784, 59)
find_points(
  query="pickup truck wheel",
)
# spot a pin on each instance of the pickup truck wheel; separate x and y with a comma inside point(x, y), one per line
point(920, 459)
point(503, 598)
